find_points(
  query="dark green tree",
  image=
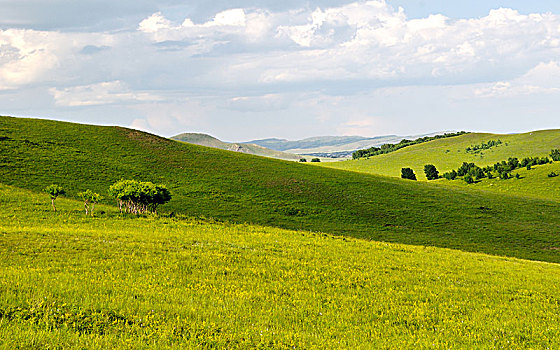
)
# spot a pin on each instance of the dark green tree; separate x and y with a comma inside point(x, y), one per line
point(450, 175)
point(555, 155)
point(431, 172)
point(315, 160)
point(407, 173)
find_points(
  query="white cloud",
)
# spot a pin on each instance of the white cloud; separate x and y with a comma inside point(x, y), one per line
point(99, 94)
point(542, 79)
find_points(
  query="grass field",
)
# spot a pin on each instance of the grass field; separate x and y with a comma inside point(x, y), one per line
point(450, 153)
point(533, 183)
point(67, 281)
point(240, 188)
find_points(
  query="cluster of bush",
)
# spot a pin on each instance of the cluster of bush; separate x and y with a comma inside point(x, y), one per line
point(470, 172)
point(132, 196)
point(388, 147)
point(313, 160)
point(138, 197)
point(483, 146)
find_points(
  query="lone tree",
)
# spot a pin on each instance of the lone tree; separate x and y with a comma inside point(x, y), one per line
point(407, 173)
point(90, 198)
point(431, 172)
point(54, 191)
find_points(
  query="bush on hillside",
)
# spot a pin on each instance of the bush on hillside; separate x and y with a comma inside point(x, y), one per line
point(552, 174)
point(431, 172)
point(90, 199)
point(450, 175)
point(303, 160)
point(555, 155)
point(54, 191)
point(407, 173)
point(315, 160)
point(139, 197)
point(468, 179)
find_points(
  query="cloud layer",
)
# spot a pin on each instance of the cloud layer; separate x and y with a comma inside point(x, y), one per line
point(254, 63)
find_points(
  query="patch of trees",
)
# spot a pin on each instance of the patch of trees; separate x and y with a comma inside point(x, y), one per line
point(137, 197)
point(388, 147)
point(555, 155)
point(132, 196)
point(471, 173)
point(408, 173)
point(483, 146)
point(315, 160)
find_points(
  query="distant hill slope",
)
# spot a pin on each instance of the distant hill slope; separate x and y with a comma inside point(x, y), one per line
point(210, 141)
point(448, 154)
point(243, 188)
point(342, 146)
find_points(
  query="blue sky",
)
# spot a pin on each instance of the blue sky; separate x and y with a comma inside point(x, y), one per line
point(250, 69)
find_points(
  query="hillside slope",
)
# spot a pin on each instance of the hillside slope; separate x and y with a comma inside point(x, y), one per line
point(448, 154)
point(210, 141)
point(71, 282)
point(243, 188)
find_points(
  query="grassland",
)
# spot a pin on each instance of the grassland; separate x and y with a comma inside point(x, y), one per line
point(240, 188)
point(67, 281)
point(448, 154)
point(533, 183)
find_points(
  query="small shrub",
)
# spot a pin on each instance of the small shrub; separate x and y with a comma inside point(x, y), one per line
point(54, 191)
point(315, 160)
point(468, 179)
point(303, 160)
point(552, 174)
point(407, 173)
point(431, 172)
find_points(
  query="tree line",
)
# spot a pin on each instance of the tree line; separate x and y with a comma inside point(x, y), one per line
point(470, 172)
point(389, 147)
point(134, 197)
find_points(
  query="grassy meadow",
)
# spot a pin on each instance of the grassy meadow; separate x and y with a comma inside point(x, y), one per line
point(533, 183)
point(238, 188)
point(112, 281)
point(450, 153)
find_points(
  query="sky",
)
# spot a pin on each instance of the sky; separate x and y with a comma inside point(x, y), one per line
point(251, 69)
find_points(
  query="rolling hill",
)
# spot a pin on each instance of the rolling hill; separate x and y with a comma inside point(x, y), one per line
point(73, 282)
point(448, 154)
point(210, 141)
point(236, 187)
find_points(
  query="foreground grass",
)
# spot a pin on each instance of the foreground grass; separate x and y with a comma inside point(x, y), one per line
point(67, 281)
point(234, 187)
point(448, 154)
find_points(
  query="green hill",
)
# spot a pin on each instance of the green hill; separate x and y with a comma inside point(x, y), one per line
point(71, 282)
point(209, 141)
point(533, 183)
point(236, 187)
point(450, 153)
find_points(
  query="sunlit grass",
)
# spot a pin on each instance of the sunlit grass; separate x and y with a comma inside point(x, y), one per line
point(68, 281)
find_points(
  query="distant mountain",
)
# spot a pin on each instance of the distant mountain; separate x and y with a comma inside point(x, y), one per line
point(333, 146)
point(210, 141)
point(308, 143)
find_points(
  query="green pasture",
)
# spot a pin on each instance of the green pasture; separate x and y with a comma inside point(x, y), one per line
point(533, 183)
point(450, 153)
point(68, 281)
point(238, 188)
